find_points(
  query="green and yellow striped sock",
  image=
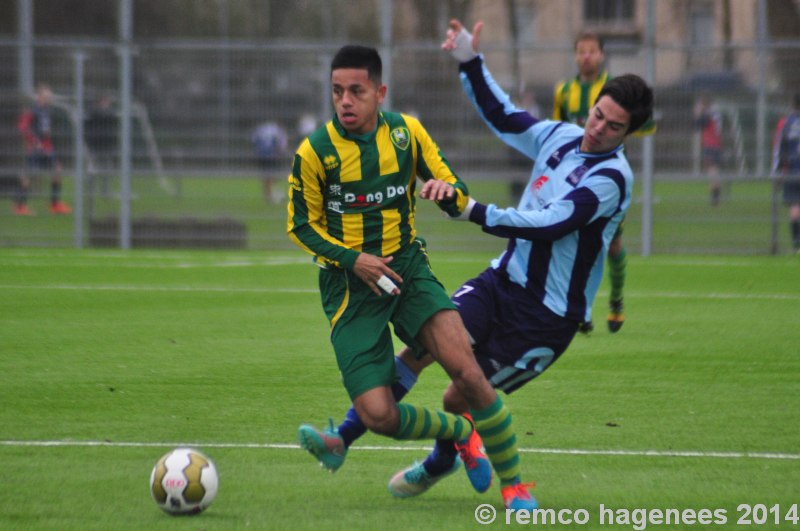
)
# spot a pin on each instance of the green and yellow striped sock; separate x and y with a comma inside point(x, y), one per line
point(422, 423)
point(616, 274)
point(495, 427)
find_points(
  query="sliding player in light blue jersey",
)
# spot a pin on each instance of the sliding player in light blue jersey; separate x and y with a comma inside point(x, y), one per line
point(524, 310)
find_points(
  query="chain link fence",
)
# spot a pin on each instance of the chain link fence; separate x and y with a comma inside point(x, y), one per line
point(200, 107)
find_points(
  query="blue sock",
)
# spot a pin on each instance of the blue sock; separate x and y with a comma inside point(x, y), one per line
point(441, 459)
point(352, 428)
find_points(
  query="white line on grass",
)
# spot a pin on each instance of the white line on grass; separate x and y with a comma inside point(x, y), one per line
point(163, 264)
point(222, 289)
point(556, 451)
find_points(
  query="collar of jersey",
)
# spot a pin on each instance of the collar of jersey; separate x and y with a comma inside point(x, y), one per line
point(602, 77)
point(365, 138)
point(607, 154)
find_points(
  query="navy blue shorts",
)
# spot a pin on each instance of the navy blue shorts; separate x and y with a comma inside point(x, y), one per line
point(712, 156)
point(515, 336)
point(791, 191)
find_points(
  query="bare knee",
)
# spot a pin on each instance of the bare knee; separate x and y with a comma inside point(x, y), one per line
point(378, 411)
point(381, 424)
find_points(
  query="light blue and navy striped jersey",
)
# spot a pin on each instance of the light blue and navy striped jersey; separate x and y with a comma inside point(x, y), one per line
point(573, 203)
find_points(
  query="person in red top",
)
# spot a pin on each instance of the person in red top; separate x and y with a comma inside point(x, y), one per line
point(35, 126)
point(708, 120)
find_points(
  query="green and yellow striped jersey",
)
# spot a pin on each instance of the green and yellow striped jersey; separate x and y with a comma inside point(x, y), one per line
point(356, 193)
point(573, 99)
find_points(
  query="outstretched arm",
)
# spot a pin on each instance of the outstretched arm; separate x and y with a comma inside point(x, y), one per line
point(462, 44)
point(511, 124)
point(601, 195)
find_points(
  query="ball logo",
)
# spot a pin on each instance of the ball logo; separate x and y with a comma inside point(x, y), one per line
point(174, 483)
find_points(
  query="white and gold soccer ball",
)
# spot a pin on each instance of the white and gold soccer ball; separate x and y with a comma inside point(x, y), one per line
point(184, 481)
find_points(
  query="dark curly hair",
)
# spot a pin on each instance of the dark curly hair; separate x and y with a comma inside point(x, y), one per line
point(631, 93)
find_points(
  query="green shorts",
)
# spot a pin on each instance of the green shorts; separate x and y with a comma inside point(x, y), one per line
point(360, 319)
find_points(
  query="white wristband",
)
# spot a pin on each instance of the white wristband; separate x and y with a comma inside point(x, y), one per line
point(386, 284)
point(463, 51)
point(464, 216)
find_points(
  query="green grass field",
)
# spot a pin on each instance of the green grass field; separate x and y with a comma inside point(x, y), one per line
point(110, 358)
point(683, 221)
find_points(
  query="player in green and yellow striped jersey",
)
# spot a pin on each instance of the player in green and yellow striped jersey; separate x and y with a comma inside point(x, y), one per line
point(575, 96)
point(352, 200)
point(572, 100)
point(355, 193)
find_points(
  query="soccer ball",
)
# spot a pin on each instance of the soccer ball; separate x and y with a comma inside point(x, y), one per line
point(184, 481)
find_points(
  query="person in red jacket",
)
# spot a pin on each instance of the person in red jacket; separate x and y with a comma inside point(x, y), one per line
point(708, 120)
point(35, 125)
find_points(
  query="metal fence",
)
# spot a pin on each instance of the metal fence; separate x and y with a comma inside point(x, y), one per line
point(196, 179)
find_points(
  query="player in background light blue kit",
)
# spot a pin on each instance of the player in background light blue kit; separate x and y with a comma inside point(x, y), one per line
point(542, 286)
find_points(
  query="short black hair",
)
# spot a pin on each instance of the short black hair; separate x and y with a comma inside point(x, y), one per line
point(356, 56)
point(631, 93)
